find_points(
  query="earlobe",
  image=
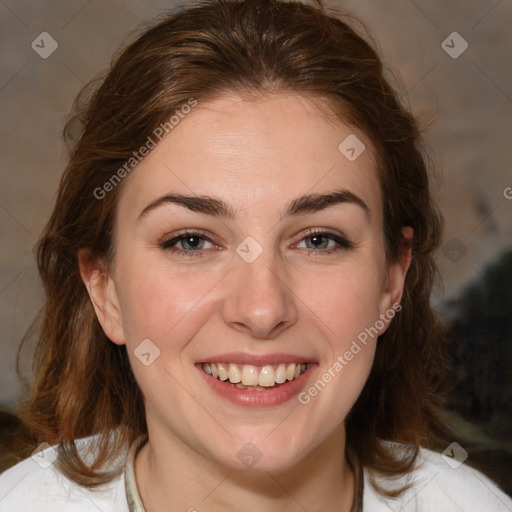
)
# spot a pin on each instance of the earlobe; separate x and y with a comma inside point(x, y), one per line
point(103, 294)
point(397, 272)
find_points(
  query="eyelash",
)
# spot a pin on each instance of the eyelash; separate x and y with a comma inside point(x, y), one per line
point(343, 243)
point(168, 244)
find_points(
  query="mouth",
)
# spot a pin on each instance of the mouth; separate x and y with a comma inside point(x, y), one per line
point(253, 377)
point(252, 381)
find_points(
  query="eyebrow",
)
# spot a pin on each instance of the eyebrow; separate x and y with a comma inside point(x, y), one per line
point(309, 203)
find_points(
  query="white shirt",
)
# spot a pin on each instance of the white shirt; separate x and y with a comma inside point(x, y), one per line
point(36, 485)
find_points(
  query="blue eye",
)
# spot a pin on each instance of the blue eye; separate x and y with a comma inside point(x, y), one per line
point(192, 243)
point(188, 243)
point(320, 241)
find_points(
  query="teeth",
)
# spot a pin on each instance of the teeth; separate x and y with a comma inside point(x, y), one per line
point(280, 374)
point(252, 388)
point(250, 375)
point(223, 372)
point(290, 371)
point(255, 377)
point(234, 374)
point(267, 377)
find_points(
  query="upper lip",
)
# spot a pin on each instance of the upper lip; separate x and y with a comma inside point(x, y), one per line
point(256, 360)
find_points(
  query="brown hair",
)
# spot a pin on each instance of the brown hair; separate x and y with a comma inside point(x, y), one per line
point(84, 384)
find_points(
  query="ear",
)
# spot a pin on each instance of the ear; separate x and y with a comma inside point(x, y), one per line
point(396, 274)
point(103, 295)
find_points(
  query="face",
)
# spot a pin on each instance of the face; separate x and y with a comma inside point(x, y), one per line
point(249, 255)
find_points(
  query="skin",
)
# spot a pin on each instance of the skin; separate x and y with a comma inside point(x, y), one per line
point(256, 156)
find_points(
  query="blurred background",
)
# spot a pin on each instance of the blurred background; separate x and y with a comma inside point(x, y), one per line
point(454, 62)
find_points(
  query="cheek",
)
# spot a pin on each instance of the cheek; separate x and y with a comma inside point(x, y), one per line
point(160, 300)
point(346, 301)
point(345, 306)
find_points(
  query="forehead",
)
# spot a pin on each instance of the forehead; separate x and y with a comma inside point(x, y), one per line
point(255, 153)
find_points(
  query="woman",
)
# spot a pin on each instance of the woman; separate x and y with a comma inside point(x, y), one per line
point(237, 272)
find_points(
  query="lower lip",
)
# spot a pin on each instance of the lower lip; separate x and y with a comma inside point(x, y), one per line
point(265, 398)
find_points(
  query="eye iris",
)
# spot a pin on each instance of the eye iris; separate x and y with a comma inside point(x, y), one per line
point(192, 242)
point(317, 242)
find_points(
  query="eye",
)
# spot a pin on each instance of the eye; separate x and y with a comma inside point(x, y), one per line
point(187, 243)
point(322, 241)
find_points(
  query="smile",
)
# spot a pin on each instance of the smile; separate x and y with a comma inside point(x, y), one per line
point(252, 377)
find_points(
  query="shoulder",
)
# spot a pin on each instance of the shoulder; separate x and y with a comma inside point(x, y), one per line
point(440, 483)
point(36, 485)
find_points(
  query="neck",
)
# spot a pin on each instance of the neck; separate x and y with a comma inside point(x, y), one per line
point(169, 472)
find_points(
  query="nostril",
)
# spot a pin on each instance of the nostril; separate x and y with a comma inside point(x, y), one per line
point(281, 326)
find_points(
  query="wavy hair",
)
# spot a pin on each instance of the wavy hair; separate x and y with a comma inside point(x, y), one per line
point(83, 383)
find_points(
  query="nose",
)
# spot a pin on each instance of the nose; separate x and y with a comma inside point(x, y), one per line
point(259, 300)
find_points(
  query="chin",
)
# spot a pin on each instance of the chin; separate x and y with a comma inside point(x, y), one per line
point(261, 452)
